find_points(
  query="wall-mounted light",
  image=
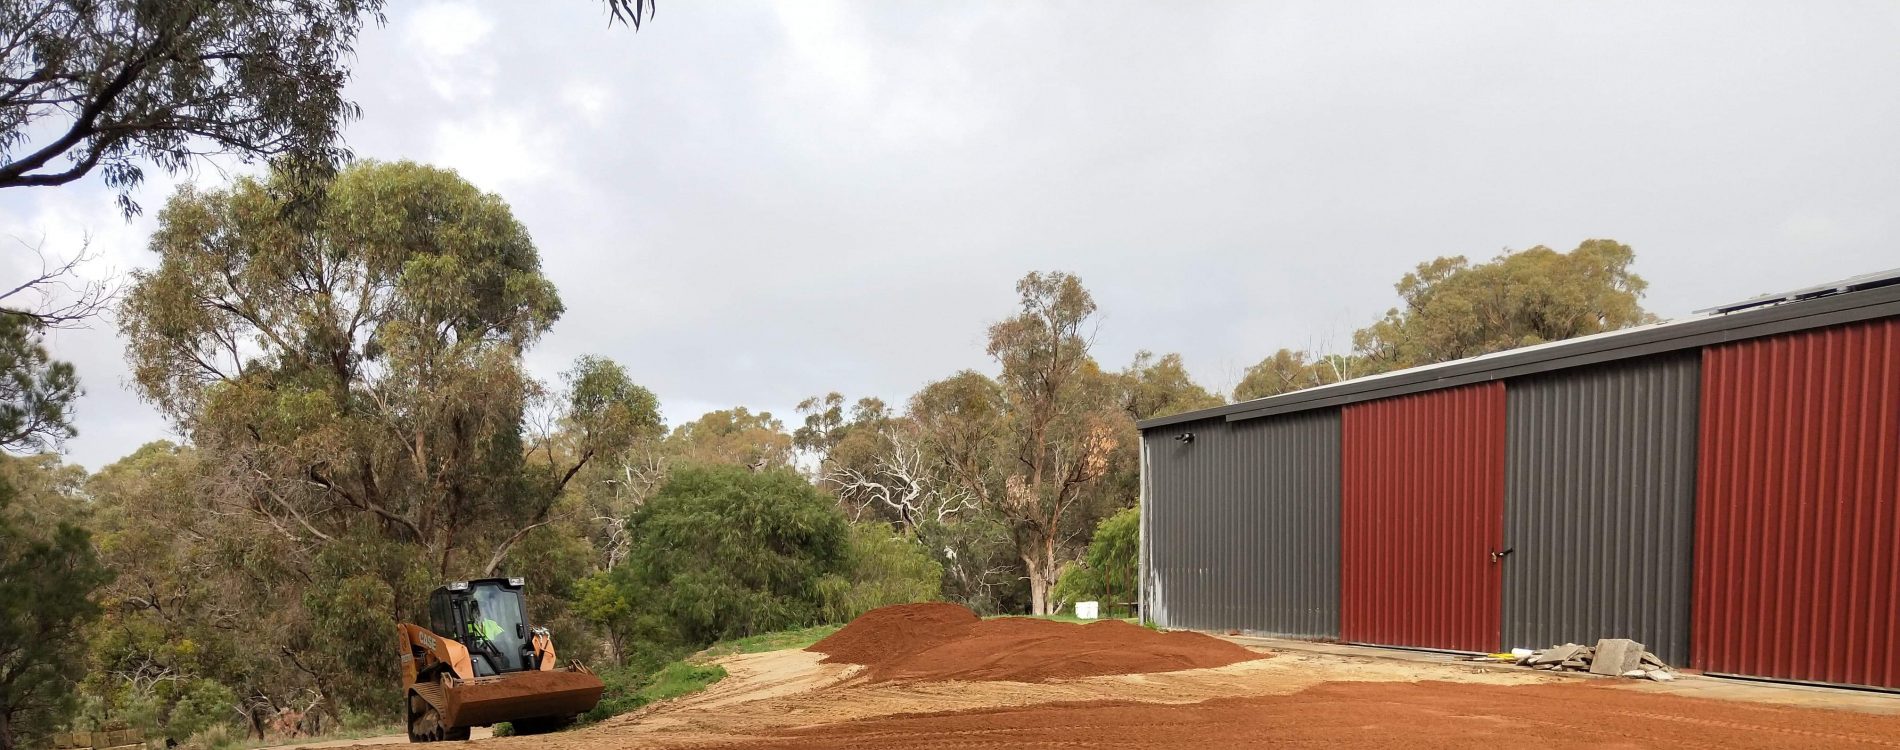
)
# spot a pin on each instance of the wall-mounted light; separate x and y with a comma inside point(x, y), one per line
point(1184, 438)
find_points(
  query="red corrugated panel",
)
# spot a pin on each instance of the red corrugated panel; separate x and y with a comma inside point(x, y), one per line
point(1422, 508)
point(1798, 507)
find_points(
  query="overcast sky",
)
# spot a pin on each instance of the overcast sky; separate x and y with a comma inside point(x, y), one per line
point(747, 203)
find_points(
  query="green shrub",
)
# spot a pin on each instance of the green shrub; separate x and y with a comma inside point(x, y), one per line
point(622, 693)
point(1108, 572)
point(884, 568)
point(722, 552)
point(202, 705)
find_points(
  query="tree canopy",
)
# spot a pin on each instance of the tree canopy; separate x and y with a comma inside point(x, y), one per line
point(1152, 387)
point(364, 363)
point(36, 391)
point(118, 84)
point(735, 436)
point(1289, 370)
point(1453, 309)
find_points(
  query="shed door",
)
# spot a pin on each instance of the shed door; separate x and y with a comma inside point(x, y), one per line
point(1599, 504)
point(1797, 566)
point(1422, 510)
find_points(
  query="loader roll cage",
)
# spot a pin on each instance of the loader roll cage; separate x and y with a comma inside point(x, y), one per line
point(487, 617)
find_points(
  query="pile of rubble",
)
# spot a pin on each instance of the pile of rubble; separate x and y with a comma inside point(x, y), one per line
point(1612, 657)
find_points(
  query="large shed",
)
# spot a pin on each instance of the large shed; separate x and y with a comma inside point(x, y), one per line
point(1723, 488)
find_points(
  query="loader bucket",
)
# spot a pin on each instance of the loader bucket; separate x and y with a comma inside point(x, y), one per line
point(520, 695)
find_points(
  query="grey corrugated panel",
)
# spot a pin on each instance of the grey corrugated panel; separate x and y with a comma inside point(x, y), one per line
point(1600, 471)
point(1632, 343)
point(1243, 525)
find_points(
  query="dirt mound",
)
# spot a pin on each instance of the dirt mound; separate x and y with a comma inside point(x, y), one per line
point(948, 642)
point(897, 629)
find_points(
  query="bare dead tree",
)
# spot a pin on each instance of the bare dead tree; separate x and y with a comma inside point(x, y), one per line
point(902, 482)
point(638, 476)
point(56, 296)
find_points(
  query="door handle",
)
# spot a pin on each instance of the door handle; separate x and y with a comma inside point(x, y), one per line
point(1498, 555)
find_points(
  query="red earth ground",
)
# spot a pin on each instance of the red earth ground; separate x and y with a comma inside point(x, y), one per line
point(935, 676)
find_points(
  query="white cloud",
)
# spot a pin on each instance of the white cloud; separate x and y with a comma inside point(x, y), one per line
point(498, 151)
point(838, 66)
point(449, 42)
point(827, 42)
point(588, 99)
point(448, 29)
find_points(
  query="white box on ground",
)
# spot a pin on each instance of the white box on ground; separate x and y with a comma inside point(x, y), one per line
point(1087, 610)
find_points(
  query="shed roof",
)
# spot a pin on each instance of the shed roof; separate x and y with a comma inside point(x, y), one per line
point(1856, 303)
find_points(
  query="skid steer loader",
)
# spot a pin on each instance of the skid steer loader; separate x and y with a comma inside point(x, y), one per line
point(480, 662)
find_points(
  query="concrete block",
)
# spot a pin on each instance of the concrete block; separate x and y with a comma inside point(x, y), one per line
point(1557, 654)
point(1616, 656)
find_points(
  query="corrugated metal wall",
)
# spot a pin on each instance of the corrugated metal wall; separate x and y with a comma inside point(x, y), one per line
point(1423, 507)
point(1600, 504)
point(1244, 525)
point(1798, 516)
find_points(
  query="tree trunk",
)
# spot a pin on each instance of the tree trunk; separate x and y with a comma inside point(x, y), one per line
point(1038, 586)
point(257, 719)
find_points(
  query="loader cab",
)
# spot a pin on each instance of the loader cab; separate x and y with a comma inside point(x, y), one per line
point(490, 618)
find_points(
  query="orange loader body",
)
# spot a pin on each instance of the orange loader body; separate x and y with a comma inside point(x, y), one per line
point(445, 696)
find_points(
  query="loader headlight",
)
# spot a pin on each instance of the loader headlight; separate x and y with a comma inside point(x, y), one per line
point(458, 586)
point(516, 582)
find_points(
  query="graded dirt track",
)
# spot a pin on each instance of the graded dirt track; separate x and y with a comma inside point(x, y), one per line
point(794, 699)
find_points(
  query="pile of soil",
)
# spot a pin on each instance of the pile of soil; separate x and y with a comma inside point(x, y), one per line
point(949, 642)
point(899, 629)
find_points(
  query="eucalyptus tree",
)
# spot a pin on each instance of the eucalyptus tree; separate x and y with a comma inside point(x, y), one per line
point(739, 436)
point(1453, 309)
point(1034, 446)
point(360, 366)
point(1156, 387)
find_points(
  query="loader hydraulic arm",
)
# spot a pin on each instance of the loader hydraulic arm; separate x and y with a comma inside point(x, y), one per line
point(544, 658)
